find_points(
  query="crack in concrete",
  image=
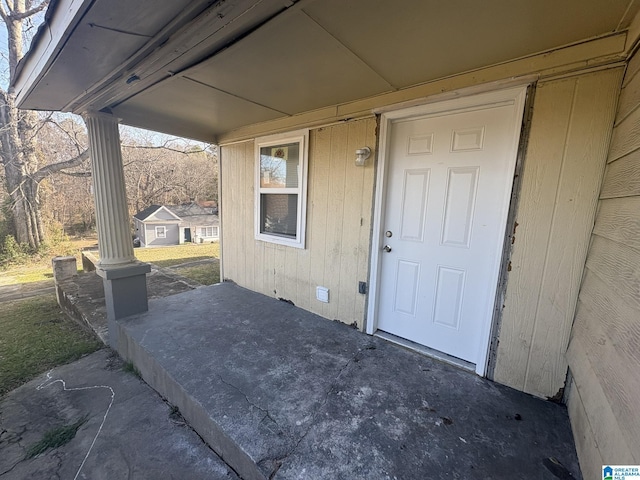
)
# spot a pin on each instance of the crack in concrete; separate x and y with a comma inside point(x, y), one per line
point(58, 457)
point(206, 443)
point(10, 469)
point(125, 457)
point(280, 461)
point(263, 410)
point(13, 438)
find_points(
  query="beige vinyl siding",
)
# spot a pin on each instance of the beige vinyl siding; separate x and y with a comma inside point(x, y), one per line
point(561, 177)
point(604, 351)
point(562, 172)
point(339, 205)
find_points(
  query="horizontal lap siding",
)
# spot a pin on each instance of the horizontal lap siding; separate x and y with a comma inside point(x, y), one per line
point(172, 234)
point(561, 177)
point(339, 213)
point(604, 351)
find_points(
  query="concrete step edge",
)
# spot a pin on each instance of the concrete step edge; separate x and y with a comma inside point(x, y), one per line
point(193, 412)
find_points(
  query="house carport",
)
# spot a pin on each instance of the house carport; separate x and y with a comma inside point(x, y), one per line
point(229, 72)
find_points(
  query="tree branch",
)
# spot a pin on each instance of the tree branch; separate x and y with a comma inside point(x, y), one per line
point(8, 7)
point(41, 125)
point(164, 147)
point(153, 193)
point(30, 12)
point(57, 167)
point(3, 13)
point(76, 174)
point(73, 138)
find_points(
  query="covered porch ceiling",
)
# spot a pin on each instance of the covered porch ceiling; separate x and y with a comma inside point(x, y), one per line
point(200, 69)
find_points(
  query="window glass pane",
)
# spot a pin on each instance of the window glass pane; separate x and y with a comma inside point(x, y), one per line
point(278, 214)
point(279, 166)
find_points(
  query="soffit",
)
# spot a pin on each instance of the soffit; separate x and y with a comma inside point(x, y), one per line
point(264, 60)
point(290, 65)
point(186, 108)
point(323, 53)
point(433, 39)
point(108, 33)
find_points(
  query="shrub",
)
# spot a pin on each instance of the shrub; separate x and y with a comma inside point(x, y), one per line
point(57, 242)
point(11, 252)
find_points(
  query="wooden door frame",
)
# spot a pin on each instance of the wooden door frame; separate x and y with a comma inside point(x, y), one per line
point(514, 95)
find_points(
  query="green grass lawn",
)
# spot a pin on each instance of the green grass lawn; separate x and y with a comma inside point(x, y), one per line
point(41, 271)
point(161, 256)
point(207, 274)
point(26, 274)
point(169, 256)
point(34, 333)
point(38, 269)
point(35, 336)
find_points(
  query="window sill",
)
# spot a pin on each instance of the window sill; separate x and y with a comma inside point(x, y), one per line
point(289, 242)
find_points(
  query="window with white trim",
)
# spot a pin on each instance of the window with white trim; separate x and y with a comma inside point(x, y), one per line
point(208, 231)
point(281, 188)
point(161, 232)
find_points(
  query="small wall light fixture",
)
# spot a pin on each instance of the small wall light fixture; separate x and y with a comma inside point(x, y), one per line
point(361, 156)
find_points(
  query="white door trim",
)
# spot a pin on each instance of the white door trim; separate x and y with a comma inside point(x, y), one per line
point(515, 96)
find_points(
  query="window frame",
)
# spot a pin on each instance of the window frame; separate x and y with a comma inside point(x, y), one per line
point(164, 234)
point(302, 138)
point(213, 228)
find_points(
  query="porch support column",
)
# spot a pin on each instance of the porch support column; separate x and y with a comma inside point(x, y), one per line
point(125, 283)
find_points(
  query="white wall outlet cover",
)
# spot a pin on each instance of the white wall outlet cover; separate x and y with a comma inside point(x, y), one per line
point(322, 294)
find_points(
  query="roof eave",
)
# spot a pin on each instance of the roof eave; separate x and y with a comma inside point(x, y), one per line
point(61, 19)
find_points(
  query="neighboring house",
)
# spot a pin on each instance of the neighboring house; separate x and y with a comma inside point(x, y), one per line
point(500, 133)
point(176, 224)
point(198, 224)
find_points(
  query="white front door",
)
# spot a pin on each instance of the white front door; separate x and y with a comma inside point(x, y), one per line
point(448, 185)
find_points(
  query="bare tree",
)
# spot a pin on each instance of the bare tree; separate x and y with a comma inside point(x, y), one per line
point(65, 199)
point(157, 170)
point(36, 146)
point(168, 174)
point(23, 168)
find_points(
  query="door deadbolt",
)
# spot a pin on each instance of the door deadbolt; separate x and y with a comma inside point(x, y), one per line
point(388, 234)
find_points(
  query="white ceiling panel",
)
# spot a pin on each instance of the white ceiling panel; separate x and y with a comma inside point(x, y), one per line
point(410, 42)
point(183, 107)
point(291, 65)
point(217, 66)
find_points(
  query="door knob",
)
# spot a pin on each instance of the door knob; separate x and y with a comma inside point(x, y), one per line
point(386, 248)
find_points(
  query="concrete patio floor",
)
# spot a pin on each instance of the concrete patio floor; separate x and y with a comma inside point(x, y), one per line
point(280, 393)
